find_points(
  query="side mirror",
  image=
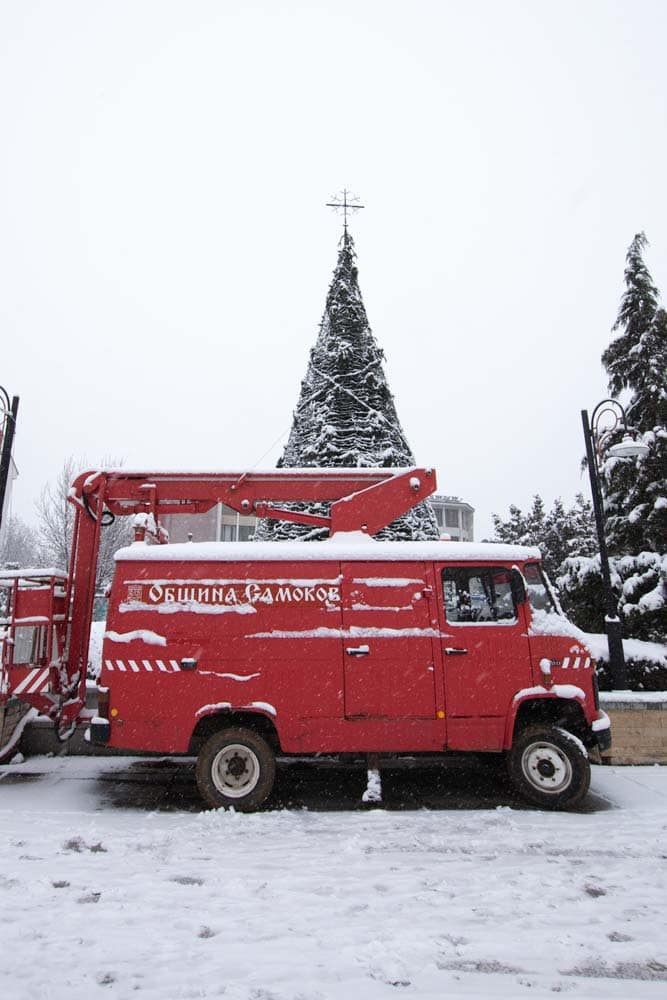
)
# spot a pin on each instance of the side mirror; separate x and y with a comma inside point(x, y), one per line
point(517, 586)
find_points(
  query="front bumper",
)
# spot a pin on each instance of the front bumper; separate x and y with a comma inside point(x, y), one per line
point(602, 731)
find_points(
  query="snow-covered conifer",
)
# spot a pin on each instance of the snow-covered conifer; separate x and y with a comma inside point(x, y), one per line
point(636, 314)
point(560, 534)
point(635, 490)
point(637, 361)
point(346, 416)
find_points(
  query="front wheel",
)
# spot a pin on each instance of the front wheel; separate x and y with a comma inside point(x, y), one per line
point(235, 768)
point(549, 767)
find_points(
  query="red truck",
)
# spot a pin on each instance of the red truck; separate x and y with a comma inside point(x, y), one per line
point(238, 653)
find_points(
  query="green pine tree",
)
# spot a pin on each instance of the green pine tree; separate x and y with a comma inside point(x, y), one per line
point(636, 314)
point(635, 490)
point(559, 534)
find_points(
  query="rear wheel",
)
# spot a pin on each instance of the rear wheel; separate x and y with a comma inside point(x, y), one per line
point(549, 767)
point(235, 768)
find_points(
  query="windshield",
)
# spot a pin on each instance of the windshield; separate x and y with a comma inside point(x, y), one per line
point(539, 592)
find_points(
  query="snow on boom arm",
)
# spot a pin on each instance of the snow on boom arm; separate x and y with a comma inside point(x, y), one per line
point(52, 678)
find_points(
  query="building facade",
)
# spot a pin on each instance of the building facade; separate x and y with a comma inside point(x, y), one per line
point(455, 517)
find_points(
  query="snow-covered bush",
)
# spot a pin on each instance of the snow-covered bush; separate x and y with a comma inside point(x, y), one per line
point(646, 664)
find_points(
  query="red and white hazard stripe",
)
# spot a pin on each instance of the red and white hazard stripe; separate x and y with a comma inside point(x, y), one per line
point(138, 666)
point(36, 680)
point(578, 661)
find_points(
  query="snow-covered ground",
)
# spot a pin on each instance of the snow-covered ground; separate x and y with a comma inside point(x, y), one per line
point(100, 896)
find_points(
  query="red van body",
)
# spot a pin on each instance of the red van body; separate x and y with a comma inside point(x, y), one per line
point(358, 648)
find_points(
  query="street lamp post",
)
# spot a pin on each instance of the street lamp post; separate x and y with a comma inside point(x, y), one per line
point(8, 414)
point(628, 448)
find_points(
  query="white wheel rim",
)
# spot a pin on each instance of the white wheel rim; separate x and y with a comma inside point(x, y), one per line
point(235, 770)
point(546, 767)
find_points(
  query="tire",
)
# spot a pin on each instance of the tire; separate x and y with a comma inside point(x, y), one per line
point(549, 767)
point(235, 769)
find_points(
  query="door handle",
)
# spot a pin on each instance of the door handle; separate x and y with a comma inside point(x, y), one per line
point(453, 651)
point(358, 650)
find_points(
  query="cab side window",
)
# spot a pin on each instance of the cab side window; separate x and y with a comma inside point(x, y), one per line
point(478, 595)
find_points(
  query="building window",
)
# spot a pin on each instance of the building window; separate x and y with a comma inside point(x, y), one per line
point(451, 517)
point(236, 532)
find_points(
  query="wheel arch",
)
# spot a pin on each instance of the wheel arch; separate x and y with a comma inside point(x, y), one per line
point(217, 719)
point(547, 710)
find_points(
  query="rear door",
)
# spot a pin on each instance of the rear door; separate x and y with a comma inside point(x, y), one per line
point(389, 630)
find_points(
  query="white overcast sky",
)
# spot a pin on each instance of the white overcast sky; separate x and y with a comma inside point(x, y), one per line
point(165, 248)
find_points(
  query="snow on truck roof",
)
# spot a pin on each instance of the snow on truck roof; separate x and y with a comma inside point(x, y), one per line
point(40, 573)
point(358, 548)
point(337, 472)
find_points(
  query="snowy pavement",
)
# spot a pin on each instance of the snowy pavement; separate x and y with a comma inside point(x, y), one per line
point(114, 882)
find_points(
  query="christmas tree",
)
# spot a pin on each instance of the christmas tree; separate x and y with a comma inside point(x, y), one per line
point(346, 414)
